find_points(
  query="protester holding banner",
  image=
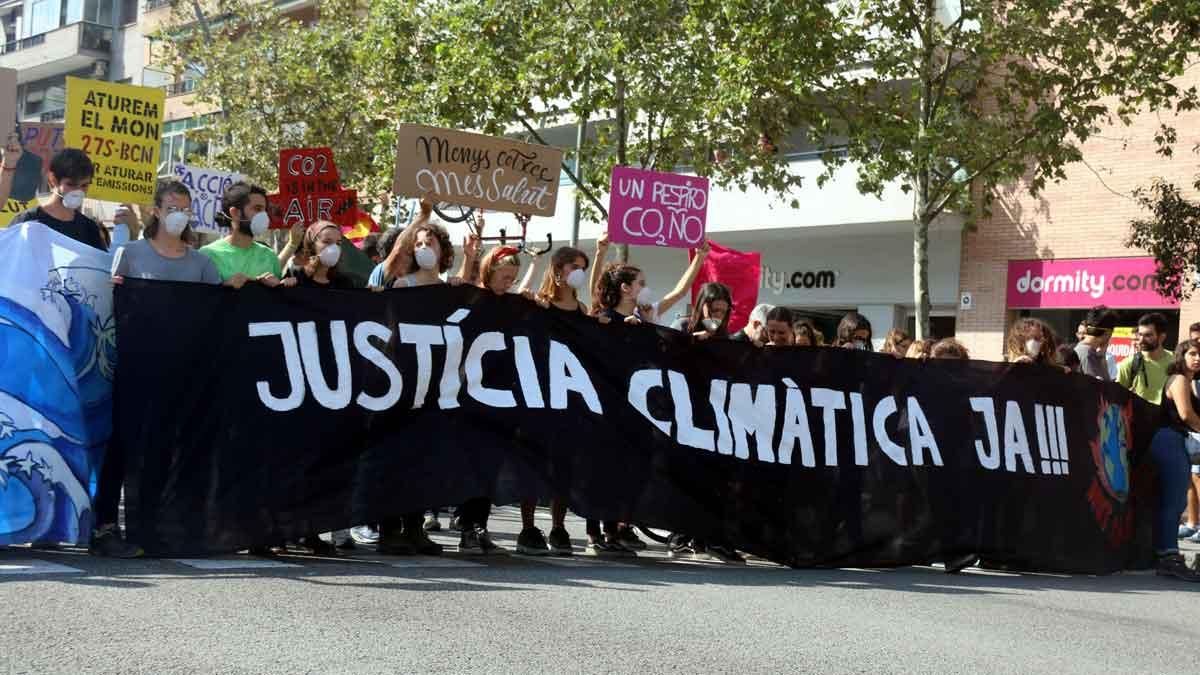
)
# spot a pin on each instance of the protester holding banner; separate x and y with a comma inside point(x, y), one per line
point(949, 348)
point(710, 313)
point(559, 291)
point(625, 298)
point(1031, 341)
point(755, 328)
point(238, 257)
point(70, 176)
point(920, 349)
point(163, 253)
point(804, 334)
point(322, 251)
point(896, 343)
point(779, 329)
point(1169, 451)
point(497, 273)
point(854, 332)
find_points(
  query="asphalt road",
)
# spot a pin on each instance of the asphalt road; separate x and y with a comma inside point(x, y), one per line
point(64, 612)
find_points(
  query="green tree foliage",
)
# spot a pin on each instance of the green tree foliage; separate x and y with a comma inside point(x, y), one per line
point(284, 81)
point(954, 98)
point(1171, 234)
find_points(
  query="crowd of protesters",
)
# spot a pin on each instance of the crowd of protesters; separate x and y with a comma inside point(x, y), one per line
point(164, 248)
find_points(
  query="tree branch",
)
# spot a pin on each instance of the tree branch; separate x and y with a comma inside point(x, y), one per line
point(571, 174)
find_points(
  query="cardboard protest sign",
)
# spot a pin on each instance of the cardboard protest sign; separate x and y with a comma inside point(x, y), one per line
point(120, 127)
point(208, 187)
point(457, 167)
point(651, 208)
point(310, 189)
point(39, 143)
point(8, 103)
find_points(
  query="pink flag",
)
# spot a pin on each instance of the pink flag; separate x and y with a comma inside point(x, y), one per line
point(741, 272)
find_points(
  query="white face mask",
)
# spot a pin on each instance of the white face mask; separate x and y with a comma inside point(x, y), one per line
point(426, 258)
point(645, 296)
point(260, 223)
point(175, 223)
point(73, 200)
point(1033, 347)
point(330, 255)
point(576, 279)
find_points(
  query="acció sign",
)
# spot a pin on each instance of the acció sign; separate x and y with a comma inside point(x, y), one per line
point(1082, 283)
point(651, 208)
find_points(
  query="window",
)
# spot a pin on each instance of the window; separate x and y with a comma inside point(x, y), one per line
point(129, 9)
point(98, 12)
point(43, 17)
point(177, 148)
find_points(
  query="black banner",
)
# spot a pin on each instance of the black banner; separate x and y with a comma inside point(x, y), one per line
point(260, 414)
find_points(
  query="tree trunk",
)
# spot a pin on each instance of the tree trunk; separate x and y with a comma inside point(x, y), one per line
point(921, 271)
point(622, 136)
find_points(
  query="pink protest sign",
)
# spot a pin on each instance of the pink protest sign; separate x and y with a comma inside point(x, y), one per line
point(649, 208)
point(1122, 283)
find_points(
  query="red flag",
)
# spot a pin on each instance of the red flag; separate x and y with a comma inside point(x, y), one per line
point(364, 224)
point(741, 272)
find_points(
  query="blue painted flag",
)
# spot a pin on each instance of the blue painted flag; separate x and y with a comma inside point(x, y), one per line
point(57, 354)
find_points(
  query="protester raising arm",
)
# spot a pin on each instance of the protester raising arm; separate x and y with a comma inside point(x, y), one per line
point(685, 282)
point(12, 154)
point(295, 238)
point(597, 271)
point(625, 295)
point(399, 261)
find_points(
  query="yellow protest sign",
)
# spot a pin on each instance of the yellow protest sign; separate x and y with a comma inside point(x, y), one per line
point(11, 208)
point(120, 127)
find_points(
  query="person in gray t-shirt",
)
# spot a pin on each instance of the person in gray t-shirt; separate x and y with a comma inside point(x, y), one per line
point(139, 260)
point(1097, 329)
point(164, 253)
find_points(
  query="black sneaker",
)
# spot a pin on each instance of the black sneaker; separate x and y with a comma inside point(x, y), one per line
point(531, 541)
point(560, 542)
point(432, 524)
point(629, 539)
point(960, 563)
point(620, 545)
point(261, 551)
point(468, 542)
point(682, 550)
point(726, 555)
point(607, 549)
point(107, 543)
point(315, 545)
point(422, 544)
point(454, 525)
point(1174, 565)
point(485, 540)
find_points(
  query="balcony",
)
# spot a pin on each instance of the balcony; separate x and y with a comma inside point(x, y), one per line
point(179, 88)
point(56, 52)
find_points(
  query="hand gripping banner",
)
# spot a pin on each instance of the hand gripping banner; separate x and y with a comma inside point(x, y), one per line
point(261, 414)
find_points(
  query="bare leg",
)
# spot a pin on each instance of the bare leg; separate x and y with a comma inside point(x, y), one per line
point(1193, 502)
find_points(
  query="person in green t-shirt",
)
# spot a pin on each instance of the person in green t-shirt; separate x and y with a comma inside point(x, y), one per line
point(237, 256)
point(1145, 373)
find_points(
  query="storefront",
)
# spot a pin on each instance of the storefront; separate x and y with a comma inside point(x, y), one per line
point(823, 273)
point(1060, 292)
